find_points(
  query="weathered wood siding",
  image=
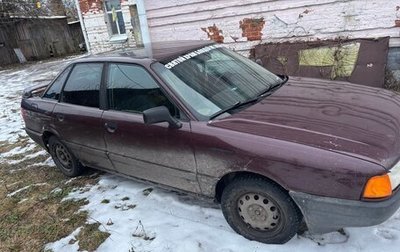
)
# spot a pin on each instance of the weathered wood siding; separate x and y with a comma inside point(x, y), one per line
point(76, 34)
point(235, 22)
point(37, 39)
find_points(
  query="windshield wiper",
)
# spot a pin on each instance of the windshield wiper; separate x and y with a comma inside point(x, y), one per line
point(234, 106)
point(272, 88)
point(263, 94)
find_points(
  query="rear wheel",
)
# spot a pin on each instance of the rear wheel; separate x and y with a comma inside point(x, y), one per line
point(260, 210)
point(63, 158)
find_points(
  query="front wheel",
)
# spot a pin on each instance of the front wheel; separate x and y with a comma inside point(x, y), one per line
point(260, 210)
point(63, 158)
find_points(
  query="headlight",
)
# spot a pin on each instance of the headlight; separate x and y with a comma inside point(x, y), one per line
point(394, 175)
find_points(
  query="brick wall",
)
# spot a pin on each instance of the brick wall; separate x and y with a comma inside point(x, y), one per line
point(94, 18)
point(243, 24)
point(252, 28)
point(91, 6)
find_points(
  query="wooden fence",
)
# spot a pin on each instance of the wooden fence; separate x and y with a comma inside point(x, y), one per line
point(38, 39)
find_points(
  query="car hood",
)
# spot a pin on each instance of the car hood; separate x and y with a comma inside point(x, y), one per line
point(355, 120)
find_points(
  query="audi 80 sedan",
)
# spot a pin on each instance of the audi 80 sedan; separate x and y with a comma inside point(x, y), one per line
point(278, 153)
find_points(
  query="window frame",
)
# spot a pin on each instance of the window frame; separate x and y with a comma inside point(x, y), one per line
point(69, 68)
point(106, 69)
point(103, 96)
point(101, 101)
point(116, 22)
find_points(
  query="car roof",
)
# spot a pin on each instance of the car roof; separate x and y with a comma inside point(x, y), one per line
point(159, 51)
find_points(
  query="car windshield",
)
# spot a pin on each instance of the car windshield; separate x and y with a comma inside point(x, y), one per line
point(214, 79)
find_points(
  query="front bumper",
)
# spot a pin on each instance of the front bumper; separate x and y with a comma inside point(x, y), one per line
point(324, 214)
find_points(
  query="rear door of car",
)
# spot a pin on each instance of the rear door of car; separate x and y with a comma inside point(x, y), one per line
point(38, 110)
point(152, 152)
point(77, 117)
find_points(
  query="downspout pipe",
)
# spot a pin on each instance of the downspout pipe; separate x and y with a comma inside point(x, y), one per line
point(83, 27)
point(144, 27)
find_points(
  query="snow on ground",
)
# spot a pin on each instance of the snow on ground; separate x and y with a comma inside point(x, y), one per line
point(141, 219)
point(25, 188)
point(12, 83)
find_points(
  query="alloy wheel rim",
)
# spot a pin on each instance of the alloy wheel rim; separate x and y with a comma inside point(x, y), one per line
point(258, 211)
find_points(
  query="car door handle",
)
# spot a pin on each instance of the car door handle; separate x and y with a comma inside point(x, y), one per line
point(34, 105)
point(111, 127)
point(60, 117)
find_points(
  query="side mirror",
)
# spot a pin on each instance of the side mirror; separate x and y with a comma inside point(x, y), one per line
point(160, 114)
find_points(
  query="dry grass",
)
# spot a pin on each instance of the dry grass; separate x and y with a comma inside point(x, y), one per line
point(6, 146)
point(35, 216)
point(90, 237)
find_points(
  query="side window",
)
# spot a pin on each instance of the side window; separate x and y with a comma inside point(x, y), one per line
point(83, 85)
point(55, 89)
point(131, 88)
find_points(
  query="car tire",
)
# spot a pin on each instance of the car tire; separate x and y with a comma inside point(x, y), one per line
point(260, 210)
point(64, 158)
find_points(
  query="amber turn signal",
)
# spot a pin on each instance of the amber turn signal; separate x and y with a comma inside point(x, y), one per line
point(378, 187)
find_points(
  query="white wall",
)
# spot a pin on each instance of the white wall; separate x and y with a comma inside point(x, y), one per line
point(97, 31)
point(284, 19)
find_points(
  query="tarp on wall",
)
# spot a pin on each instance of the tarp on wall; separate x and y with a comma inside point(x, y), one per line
point(360, 61)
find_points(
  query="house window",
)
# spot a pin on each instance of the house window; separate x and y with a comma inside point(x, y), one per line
point(114, 17)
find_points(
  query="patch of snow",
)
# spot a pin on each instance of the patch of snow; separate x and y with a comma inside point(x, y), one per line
point(22, 201)
point(13, 82)
point(19, 150)
point(66, 244)
point(329, 238)
point(25, 188)
point(70, 180)
point(166, 221)
point(19, 190)
point(56, 190)
point(48, 162)
point(29, 156)
point(13, 184)
point(163, 220)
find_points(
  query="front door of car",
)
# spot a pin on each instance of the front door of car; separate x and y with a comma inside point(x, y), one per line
point(152, 152)
point(77, 117)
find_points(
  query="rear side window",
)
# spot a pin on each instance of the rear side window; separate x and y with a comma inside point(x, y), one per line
point(83, 85)
point(131, 88)
point(55, 89)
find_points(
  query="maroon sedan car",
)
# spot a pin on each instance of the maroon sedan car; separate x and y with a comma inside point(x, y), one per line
point(275, 152)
